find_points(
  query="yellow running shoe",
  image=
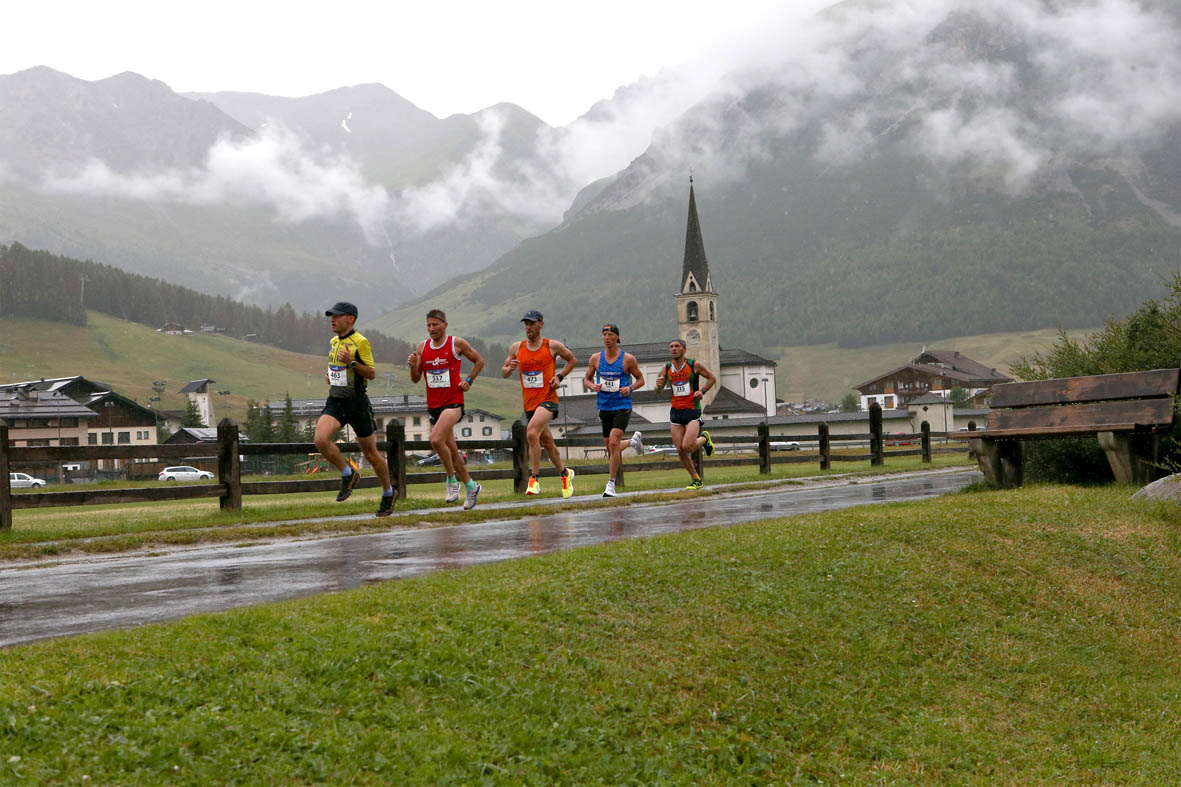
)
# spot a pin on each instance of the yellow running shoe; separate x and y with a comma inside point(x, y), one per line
point(534, 488)
point(694, 485)
point(709, 443)
point(568, 482)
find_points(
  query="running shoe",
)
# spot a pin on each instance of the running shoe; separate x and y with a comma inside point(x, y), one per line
point(387, 506)
point(534, 487)
point(637, 443)
point(610, 490)
point(695, 485)
point(347, 483)
point(452, 492)
point(470, 500)
point(568, 482)
point(709, 443)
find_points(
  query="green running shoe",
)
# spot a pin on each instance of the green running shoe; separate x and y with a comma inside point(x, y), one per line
point(695, 485)
point(709, 443)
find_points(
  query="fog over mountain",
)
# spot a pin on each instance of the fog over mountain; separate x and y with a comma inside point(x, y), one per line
point(882, 150)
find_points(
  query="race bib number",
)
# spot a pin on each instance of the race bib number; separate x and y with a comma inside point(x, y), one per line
point(438, 379)
point(611, 386)
point(338, 375)
point(682, 389)
point(532, 380)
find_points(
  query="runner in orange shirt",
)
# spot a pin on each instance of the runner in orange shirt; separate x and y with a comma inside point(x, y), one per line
point(534, 359)
point(684, 375)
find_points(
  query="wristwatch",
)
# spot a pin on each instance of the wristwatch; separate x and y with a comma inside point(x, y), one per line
point(353, 364)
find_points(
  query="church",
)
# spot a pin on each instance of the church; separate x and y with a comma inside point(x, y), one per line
point(746, 382)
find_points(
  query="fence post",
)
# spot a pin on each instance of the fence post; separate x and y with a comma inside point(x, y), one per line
point(764, 449)
point(926, 429)
point(825, 447)
point(520, 458)
point(5, 486)
point(876, 444)
point(229, 466)
point(395, 433)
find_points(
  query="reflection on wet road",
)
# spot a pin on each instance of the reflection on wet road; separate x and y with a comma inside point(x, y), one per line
point(80, 597)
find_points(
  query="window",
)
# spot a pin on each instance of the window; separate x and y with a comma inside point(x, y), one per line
point(711, 311)
point(92, 439)
point(466, 432)
point(417, 422)
point(487, 431)
point(141, 434)
point(481, 419)
point(124, 438)
point(68, 441)
point(69, 421)
point(37, 443)
point(108, 438)
point(691, 311)
point(417, 436)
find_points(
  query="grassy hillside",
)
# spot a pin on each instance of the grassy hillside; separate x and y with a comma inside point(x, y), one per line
point(129, 356)
point(829, 372)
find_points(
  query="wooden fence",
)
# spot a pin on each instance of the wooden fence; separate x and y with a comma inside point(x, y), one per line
point(229, 487)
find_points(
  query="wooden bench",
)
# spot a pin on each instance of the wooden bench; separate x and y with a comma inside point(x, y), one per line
point(1126, 412)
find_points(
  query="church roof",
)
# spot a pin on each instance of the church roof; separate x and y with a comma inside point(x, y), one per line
point(695, 262)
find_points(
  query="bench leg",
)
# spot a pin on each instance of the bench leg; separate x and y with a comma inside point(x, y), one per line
point(1132, 457)
point(999, 460)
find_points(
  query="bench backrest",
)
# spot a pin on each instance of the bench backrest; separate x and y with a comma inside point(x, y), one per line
point(1084, 404)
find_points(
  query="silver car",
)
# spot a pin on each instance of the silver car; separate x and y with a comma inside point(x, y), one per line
point(185, 473)
point(24, 481)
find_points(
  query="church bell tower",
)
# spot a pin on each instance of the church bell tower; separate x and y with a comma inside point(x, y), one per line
point(697, 303)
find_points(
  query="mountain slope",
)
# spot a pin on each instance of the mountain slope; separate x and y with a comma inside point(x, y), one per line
point(949, 185)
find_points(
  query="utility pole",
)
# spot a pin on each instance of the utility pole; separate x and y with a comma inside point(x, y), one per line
point(83, 278)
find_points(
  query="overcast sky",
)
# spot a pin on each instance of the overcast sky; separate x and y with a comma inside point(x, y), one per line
point(554, 59)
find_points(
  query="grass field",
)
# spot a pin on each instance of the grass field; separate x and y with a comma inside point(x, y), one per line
point(130, 356)
point(1023, 636)
point(38, 532)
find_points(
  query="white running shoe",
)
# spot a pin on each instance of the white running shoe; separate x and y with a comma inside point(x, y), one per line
point(637, 443)
point(452, 493)
point(470, 500)
point(610, 490)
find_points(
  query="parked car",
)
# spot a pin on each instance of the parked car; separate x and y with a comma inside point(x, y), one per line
point(433, 459)
point(785, 445)
point(185, 473)
point(899, 438)
point(24, 481)
point(660, 449)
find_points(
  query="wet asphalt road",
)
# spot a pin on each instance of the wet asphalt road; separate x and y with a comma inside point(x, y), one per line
point(73, 598)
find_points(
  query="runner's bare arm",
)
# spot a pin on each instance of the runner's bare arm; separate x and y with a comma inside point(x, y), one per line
point(631, 367)
point(589, 378)
point(415, 363)
point(467, 351)
point(562, 351)
point(706, 375)
point(510, 363)
point(661, 379)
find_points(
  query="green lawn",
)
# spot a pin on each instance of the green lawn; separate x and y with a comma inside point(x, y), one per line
point(117, 527)
point(1024, 636)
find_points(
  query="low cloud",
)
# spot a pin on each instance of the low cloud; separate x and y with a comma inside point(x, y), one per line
point(270, 170)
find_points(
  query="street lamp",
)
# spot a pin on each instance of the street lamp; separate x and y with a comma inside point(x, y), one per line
point(766, 383)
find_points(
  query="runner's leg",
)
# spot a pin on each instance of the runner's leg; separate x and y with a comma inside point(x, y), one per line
point(443, 441)
point(538, 423)
point(678, 435)
point(376, 460)
point(327, 426)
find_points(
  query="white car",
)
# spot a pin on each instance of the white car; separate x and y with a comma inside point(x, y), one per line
point(185, 473)
point(24, 481)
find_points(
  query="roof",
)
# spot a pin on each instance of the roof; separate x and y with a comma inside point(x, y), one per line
point(941, 372)
point(953, 359)
point(60, 384)
point(29, 403)
point(657, 352)
point(695, 262)
point(200, 434)
point(929, 398)
point(196, 386)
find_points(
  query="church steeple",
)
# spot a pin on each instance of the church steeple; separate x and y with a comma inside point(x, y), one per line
point(695, 269)
point(697, 303)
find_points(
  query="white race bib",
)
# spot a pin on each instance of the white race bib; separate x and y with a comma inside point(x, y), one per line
point(532, 380)
point(681, 389)
point(438, 379)
point(611, 386)
point(338, 375)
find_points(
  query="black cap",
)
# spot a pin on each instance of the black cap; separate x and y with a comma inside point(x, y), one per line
point(343, 307)
point(532, 316)
point(610, 326)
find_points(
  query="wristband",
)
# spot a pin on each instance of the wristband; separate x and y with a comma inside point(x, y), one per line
point(560, 377)
point(468, 380)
